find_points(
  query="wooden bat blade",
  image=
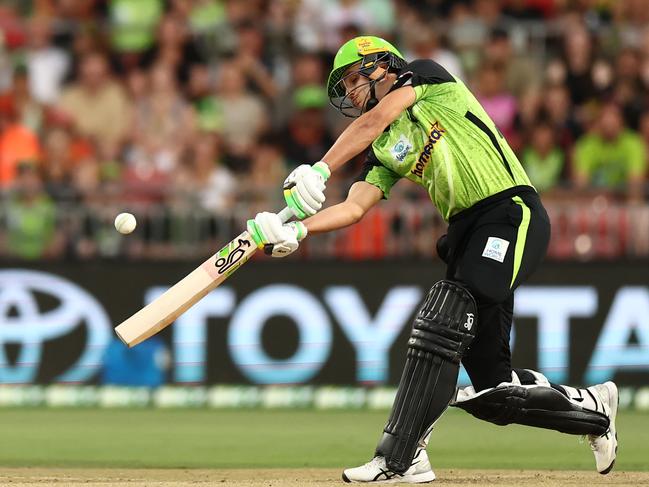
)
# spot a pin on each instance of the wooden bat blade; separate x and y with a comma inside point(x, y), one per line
point(162, 311)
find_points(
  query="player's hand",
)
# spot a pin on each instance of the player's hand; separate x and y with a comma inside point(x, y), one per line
point(277, 239)
point(304, 189)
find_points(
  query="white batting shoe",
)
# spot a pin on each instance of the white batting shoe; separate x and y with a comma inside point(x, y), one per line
point(605, 447)
point(377, 472)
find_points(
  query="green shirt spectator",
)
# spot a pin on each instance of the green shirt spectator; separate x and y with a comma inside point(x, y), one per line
point(31, 227)
point(544, 170)
point(542, 159)
point(133, 23)
point(610, 163)
point(30, 217)
point(206, 15)
point(612, 157)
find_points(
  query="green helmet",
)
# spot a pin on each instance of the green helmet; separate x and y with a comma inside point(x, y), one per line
point(367, 51)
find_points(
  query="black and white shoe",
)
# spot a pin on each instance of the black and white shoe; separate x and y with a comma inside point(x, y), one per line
point(605, 447)
point(376, 471)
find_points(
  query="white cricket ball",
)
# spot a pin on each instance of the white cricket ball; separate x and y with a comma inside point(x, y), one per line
point(125, 223)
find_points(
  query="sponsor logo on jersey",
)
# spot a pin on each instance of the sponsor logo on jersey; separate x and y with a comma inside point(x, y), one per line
point(401, 148)
point(435, 134)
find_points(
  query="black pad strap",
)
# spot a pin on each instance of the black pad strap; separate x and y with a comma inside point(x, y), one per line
point(443, 329)
point(539, 406)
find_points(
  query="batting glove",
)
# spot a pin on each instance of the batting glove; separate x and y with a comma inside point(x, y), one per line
point(304, 189)
point(277, 239)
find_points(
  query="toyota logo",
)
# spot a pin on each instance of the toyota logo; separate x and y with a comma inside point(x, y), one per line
point(22, 322)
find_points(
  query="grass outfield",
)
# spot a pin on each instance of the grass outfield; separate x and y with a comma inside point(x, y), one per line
point(284, 439)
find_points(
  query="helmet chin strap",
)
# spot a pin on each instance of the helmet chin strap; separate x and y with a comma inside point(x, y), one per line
point(373, 100)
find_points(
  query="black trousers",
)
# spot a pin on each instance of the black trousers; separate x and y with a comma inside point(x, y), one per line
point(492, 248)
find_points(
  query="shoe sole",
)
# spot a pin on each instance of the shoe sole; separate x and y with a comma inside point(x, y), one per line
point(612, 427)
point(421, 478)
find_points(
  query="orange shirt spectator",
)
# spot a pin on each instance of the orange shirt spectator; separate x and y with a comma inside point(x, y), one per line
point(17, 143)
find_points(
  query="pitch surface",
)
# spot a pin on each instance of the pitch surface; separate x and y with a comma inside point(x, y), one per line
point(300, 447)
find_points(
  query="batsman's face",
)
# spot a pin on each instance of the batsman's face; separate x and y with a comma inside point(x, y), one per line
point(357, 86)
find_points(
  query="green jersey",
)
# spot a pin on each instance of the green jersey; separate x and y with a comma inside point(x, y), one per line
point(445, 142)
point(610, 163)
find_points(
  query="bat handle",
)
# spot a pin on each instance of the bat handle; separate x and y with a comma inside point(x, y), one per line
point(285, 215)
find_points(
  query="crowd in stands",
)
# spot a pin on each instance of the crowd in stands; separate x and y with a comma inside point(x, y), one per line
point(206, 105)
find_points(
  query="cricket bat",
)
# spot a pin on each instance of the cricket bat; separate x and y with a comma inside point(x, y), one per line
point(164, 310)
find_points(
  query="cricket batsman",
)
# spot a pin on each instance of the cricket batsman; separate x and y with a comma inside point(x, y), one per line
point(423, 124)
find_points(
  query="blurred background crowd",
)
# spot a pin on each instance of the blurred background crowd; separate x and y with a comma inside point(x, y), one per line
point(190, 113)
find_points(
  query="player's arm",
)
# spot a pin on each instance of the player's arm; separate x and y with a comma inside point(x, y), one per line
point(303, 188)
point(366, 128)
point(362, 196)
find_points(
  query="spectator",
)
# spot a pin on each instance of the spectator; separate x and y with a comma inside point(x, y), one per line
point(109, 166)
point(307, 69)
point(557, 107)
point(133, 24)
point(529, 109)
point(424, 43)
point(542, 159)
point(497, 102)
point(206, 15)
point(644, 128)
point(137, 86)
point(627, 91)
point(174, 48)
point(241, 11)
point(164, 122)
point(209, 24)
point(318, 23)
point(47, 65)
point(68, 17)
point(521, 71)
point(17, 142)
point(611, 156)
point(215, 183)
point(58, 165)
point(31, 218)
point(253, 61)
point(307, 137)
point(30, 113)
point(584, 77)
point(267, 172)
point(97, 105)
point(468, 31)
point(204, 179)
point(86, 41)
point(243, 114)
point(199, 90)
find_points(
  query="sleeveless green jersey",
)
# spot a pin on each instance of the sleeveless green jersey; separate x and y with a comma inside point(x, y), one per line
point(445, 142)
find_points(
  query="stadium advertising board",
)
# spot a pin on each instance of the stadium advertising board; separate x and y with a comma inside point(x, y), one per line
point(303, 323)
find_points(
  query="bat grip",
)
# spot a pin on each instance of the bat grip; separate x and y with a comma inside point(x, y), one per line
point(285, 215)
